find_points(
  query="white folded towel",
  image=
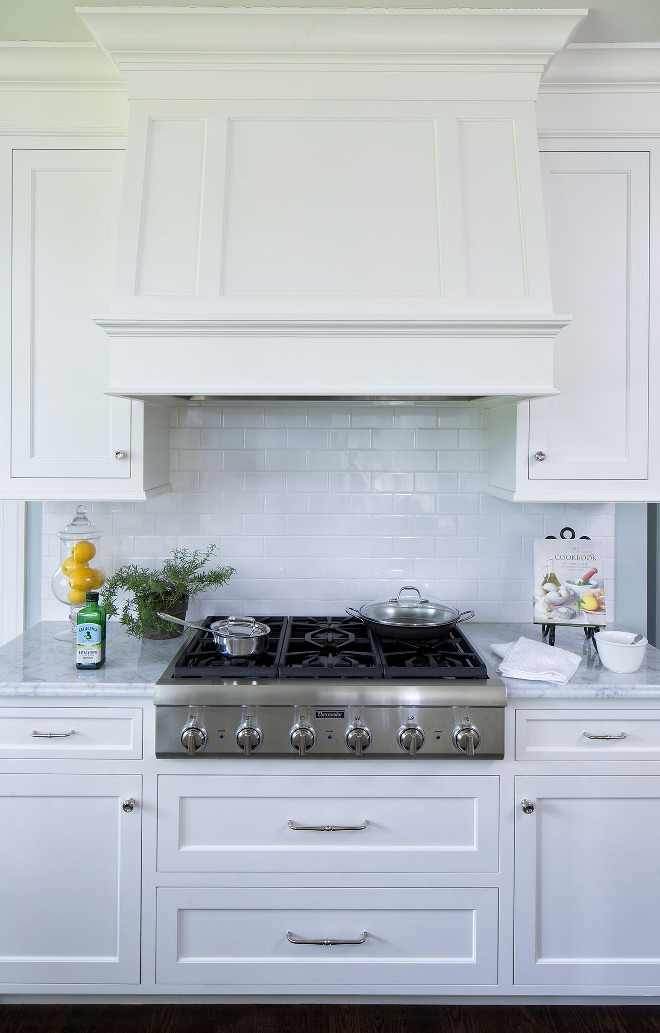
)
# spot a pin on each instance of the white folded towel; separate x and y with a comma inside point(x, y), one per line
point(535, 661)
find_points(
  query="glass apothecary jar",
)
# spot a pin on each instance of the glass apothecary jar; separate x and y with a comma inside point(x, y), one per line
point(80, 570)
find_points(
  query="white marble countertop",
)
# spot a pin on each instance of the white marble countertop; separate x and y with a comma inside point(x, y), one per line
point(37, 664)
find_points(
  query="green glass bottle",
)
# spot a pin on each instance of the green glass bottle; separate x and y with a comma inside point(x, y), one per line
point(90, 634)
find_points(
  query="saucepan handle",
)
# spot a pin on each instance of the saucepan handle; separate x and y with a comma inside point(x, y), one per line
point(466, 615)
point(352, 612)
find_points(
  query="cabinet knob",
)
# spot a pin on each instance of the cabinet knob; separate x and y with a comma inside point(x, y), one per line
point(128, 805)
point(528, 808)
point(119, 454)
point(540, 456)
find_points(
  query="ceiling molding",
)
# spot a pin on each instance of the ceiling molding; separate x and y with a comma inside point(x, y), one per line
point(604, 68)
point(72, 65)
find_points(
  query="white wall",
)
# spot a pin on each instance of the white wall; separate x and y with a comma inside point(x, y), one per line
point(323, 505)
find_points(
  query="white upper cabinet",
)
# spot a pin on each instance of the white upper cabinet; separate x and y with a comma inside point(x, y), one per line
point(67, 436)
point(590, 442)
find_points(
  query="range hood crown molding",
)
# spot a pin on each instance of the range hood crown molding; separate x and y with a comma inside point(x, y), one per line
point(324, 202)
point(164, 36)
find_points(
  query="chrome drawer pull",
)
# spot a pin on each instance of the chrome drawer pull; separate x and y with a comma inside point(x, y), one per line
point(292, 938)
point(53, 735)
point(588, 735)
point(327, 828)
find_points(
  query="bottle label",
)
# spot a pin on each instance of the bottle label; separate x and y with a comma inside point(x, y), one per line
point(88, 643)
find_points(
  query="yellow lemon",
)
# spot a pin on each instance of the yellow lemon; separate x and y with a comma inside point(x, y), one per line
point(82, 578)
point(76, 596)
point(589, 602)
point(83, 552)
point(98, 577)
point(68, 564)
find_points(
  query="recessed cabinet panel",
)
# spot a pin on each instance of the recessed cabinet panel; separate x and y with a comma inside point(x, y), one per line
point(495, 261)
point(65, 204)
point(331, 207)
point(405, 938)
point(587, 889)
point(598, 234)
point(413, 824)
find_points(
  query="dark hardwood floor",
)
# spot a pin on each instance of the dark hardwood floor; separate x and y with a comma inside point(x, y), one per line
point(325, 1018)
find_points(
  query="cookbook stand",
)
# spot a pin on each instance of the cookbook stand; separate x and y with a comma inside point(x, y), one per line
point(548, 630)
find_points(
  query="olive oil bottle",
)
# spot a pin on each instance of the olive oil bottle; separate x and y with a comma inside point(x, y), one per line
point(90, 634)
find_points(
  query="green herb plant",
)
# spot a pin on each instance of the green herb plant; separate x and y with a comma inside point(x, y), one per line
point(180, 579)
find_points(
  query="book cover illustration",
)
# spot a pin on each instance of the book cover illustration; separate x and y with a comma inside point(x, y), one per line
point(568, 582)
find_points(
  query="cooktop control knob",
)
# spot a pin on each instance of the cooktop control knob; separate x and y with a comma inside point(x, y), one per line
point(302, 738)
point(466, 738)
point(358, 739)
point(411, 739)
point(193, 739)
point(248, 738)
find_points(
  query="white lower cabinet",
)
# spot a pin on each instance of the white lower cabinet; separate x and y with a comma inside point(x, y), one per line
point(402, 938)
point(70, 879)
point(587, 900)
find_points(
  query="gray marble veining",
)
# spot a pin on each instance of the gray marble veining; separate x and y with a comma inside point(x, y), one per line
point(37, 664)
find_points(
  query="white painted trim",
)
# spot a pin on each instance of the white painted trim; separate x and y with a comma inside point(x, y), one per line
point(13, 564)
point(288, 33)
point(512, 326)
point(604, 68)
point(77, 64)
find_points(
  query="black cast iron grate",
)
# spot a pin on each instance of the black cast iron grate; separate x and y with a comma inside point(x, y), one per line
point(331, 647)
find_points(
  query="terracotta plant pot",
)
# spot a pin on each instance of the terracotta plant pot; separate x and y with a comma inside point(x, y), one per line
point(163, 631)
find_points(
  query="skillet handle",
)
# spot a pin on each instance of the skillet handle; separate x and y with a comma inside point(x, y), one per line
point(352, 612)
point(466, 615)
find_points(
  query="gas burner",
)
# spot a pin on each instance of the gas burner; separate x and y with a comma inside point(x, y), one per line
point(449, 657)
point(330, 637)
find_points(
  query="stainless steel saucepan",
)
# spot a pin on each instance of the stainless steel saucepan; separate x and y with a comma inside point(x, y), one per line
point(411, 617)
point(233, 636)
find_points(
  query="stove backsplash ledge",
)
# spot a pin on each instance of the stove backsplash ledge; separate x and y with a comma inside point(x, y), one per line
point(323, 505)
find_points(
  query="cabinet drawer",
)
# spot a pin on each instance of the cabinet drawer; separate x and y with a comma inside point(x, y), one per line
point(377, 823)
point(70, 732)
point(583, 735)
point(431, 936)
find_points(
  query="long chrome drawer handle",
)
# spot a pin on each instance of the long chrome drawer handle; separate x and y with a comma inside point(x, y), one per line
point(327, 828)
point(588, 735)
point(53, 735)
point(292, 938)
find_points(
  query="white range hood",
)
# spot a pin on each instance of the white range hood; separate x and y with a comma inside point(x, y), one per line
point(325, 203)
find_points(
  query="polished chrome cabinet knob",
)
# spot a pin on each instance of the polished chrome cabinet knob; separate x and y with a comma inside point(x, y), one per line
point(119, 454)
point(358, 739)
point(193, 739)
point(302, 738)
point(528, 808)
point(248, 739)
point(128, 805)
point(540, 456)
point(466, 738)
point(411, 739)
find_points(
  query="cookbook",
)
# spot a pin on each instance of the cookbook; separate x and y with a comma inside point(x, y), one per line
point(568, 582)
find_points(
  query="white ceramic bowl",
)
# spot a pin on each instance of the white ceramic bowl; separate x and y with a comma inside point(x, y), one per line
point(617, 653)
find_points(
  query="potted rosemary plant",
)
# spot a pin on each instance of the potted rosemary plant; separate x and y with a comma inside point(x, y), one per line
point(168, 590)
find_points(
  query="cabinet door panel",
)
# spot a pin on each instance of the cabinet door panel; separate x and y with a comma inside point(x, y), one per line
point(69, 879)
point(64, 205)
point(587, 889)
point(598, 234)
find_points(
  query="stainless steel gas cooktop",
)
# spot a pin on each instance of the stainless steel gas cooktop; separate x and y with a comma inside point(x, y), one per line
point(328, 687)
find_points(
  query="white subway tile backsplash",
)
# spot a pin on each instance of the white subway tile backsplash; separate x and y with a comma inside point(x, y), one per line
point(319, 505)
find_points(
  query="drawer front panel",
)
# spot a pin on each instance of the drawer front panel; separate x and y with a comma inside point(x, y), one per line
point(439, 936)
point(587, 735)
point(343, 823)
point(70, 732)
